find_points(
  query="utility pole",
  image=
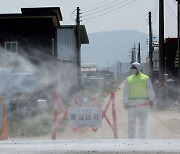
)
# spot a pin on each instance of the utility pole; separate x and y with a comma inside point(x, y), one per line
point(107, 65)
point(178, 28)
point(150, 47)
point(132, 56)
point(78, 46)
point(161, 53)
point(118, 69)
point(139, 53)
point(134, 52)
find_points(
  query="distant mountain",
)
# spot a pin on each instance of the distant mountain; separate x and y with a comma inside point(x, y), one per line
point(106, 48)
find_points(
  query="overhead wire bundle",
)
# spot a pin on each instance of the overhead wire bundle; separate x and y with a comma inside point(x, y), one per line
point(105, 7)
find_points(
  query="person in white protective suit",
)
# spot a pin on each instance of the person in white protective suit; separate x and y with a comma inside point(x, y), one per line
point(138, 95)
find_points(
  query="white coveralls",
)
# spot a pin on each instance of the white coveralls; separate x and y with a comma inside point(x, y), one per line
point(140, 112)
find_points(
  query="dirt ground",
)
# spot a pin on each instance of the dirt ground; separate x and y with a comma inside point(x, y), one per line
point(161, 124)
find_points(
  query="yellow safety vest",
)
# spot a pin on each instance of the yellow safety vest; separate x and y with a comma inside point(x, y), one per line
point(138, 88)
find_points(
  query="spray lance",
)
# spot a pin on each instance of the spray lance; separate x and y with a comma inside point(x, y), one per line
point(140, 105)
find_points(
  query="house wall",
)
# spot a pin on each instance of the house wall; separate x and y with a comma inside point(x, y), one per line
point(36, 39)
point(30, 33)
point(35, 42)
point(67, 61)
point(66, 44)
point(35, 50)
point(67, 76)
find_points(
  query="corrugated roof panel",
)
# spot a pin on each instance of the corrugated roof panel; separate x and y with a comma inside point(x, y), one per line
point(83, 34)
point(66, 44)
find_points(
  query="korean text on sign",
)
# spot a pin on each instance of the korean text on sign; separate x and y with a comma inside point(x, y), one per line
point(81, 117)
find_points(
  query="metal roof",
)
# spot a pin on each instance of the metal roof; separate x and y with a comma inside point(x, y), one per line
point(44, 12)
point(55, 10)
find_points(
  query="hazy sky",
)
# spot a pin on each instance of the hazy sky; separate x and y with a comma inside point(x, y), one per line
point(117, 14)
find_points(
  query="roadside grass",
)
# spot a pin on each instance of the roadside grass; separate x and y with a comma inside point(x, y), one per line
point(38, 125)
point(29, 126)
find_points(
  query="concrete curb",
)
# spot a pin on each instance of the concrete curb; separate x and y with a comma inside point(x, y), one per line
point(152, 146)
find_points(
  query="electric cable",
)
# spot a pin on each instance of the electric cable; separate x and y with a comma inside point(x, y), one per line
point(72, 15)
point(170, 9)
point(175, 2)
point(96, 4)
point(125, 7)
point(109, 11)
point(104, 8)
point(155, 11)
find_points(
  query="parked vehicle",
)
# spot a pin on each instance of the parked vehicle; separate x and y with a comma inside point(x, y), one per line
point(23, 97)
point(20, 92)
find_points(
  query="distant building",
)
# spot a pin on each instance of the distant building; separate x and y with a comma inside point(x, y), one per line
point(88, 69)
point(94, 77)
point(109, 77)
point(155, 60)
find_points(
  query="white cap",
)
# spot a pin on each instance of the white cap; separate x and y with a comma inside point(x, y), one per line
point(137, 65)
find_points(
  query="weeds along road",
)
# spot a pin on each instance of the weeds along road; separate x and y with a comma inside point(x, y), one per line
point(161, 124)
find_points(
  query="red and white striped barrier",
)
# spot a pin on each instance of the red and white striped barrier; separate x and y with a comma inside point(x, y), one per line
point(60, 105)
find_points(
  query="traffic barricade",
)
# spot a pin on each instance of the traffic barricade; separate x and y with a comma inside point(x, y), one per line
point(60, 105)
point(113, 125)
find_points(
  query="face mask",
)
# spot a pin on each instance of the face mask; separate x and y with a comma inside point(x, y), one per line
point(134, 71)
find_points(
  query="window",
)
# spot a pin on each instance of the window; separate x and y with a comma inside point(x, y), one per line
point(11, 47)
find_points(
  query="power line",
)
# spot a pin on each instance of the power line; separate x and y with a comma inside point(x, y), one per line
point(154, 6)
point(175, 2)
point(100, 6)
point(154, 11)
point(109, 11)
point(170, 9)
point(125, 7)
point(72, 15)
point(104, 8)
point(94, 5)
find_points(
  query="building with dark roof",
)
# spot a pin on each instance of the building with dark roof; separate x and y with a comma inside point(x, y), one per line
point(51, 48)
